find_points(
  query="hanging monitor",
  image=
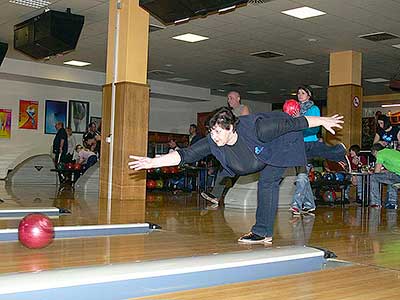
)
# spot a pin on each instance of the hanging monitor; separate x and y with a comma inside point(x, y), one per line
point(172, 11)
point(52, 32)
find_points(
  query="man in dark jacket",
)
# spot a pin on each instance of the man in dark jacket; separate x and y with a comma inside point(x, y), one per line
point(266, 142)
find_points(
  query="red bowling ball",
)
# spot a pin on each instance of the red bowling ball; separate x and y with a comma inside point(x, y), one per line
point(35, 231)
point(291, 107)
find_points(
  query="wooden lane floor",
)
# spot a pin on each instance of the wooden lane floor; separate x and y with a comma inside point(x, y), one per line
point(367, 237)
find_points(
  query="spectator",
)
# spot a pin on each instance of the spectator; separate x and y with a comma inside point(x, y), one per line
point(193, 136)
point(71, 145)
point(87, 158)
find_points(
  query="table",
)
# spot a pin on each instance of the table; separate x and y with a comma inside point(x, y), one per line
point(365, 186)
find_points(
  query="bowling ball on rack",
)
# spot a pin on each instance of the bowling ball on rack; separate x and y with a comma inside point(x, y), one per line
point(77, 166)
point(151, 184)
point(165, 170)
point(159, 183)
point(317, 176)
point(69, 166)
point(340, 177)
point(329, 196)
point(35, 231)
point(329, 177)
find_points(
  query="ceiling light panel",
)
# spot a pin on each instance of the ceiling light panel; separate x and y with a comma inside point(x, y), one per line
point(232, 71)
point(190, 37)
point(77, 63)
point(32, 3)
point(377, 80)
point(303, 12)
point(299, 62)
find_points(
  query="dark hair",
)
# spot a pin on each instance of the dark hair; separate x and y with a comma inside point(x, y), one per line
point(386, 121)
point(307, 89)
point(377, 147)
point(355, 148)
point(222, 117)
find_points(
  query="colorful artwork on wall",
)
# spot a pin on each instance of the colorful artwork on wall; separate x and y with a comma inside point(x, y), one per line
point(28, 114)
point(5, 123)
point(78, 116)
point(55, 111)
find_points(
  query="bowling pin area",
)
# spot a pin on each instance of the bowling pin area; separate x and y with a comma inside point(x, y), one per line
point(187, 249)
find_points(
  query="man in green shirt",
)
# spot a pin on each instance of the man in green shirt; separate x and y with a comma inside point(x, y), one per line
point(390, 160)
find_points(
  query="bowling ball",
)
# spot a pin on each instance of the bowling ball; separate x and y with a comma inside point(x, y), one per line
point(150, 171)
point(174, 170)
point(329, 177)
point(35, 231)
point(77, 166)
point(340, 177)
point(329, 196)
point(317, 176)
point(165, 170)
point(69, 166)
point(157, 170)
point(159, 183)
point(291, 107)
point(151, 184)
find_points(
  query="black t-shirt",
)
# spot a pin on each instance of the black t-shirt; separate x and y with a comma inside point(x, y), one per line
point(388, 136)
point(60, 135)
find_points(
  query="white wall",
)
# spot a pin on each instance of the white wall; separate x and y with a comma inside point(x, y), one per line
point(47, 82)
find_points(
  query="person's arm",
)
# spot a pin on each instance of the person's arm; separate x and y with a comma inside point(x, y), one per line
point(378, 168)
point(245, 111)
point(61, 146)
point(186, 155)
point(268, 129)
point(376, 138)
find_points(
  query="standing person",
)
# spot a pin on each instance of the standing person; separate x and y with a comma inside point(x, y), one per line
point(238, 109)
point(303, 198)
point(194, 137)
point(71, 145)
point(264, 142)
point(234, 102)
point(60, 147)
point(390, 159)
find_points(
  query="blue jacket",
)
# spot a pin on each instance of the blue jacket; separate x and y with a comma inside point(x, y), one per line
point(310, 134)
point(286, 150)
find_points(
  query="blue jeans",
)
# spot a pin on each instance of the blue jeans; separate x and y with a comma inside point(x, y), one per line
point(388, 178)
point(303, 195)
point(322, 150)
point(267, 200)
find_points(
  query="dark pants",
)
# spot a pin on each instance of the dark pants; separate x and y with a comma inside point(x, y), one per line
point(322, 150)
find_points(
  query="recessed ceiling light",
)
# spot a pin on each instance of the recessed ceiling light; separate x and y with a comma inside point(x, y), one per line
point(168, 65)
point(256, 92)
point(377, 80)
point(390, 105)
point(282, 90)
point(312, 40)
point(299, 62)
point(232, 71)
point(314, 86)
point(178, 79)
point(32, 3)
point(396, 46)
point(190, 37)
point(77, 63)
point(221, 90)
point(303, 12)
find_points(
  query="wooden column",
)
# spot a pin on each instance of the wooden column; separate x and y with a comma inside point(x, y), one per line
point(345, 95)
point(131, 103)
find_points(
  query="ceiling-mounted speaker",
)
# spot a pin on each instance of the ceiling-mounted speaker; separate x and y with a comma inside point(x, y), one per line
point(171, 11)
point(3, 51)
point(52, 32)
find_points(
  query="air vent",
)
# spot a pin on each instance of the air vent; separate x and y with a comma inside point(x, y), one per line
point(232, 84)
point(160, 72)
point(153, 27)
point(378, 36)
point(267, 54)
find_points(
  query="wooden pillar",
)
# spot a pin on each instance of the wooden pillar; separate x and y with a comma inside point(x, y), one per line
point(131, 103)
point(345, 95)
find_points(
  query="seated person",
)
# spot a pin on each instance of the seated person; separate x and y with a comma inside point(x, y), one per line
point(386, 134)
point(86, 158)
point(172, 146)
point(356, 162)
point(390, 160)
